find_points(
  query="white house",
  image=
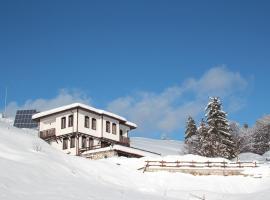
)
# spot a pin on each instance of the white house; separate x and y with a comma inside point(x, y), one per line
point(77, 128)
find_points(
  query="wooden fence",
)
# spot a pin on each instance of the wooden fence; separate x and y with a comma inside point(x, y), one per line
point(198, 165)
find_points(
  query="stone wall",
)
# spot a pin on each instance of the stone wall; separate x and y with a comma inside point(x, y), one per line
point(100, 155)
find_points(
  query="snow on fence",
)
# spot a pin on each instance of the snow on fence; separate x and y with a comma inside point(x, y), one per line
point(196, 167)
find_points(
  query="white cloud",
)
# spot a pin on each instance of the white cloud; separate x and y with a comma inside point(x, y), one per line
point(167, 111)
point(64, 97)
point(164, 112)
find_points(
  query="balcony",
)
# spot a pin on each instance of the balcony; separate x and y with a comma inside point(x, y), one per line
point(124, 141)
point(47, 134)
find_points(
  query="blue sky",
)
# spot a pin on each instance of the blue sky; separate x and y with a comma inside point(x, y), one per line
point(138, 58)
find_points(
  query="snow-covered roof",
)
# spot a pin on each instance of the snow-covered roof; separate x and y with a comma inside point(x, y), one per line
point(80, 105)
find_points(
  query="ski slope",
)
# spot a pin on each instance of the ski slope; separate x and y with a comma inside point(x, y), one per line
point(48, 174)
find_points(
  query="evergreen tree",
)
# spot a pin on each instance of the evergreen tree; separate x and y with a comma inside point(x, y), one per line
point(191, 128)
point(204, 147)
point(219, 137)
point(191, 139)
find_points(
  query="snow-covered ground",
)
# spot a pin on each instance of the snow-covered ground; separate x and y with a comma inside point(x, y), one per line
point(28, 174)
point(164, 147)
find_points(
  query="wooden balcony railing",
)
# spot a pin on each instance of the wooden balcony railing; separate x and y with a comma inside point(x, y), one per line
point(46, 134)
point(124, 141)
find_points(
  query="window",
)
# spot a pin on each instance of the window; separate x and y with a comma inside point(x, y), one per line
point(70, 120)
point(72, 142)
point(83, 142)
point(65, 143)
point(86, 122)
point(63, 122)
point(91, 143)
point(113, 128)
point(121, 132)
point(108, 127)
point(94, 124)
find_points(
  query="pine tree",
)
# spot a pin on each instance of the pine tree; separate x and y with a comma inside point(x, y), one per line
point(204, 147)
point(220, 138)
point(191, 139)
point(191, 128)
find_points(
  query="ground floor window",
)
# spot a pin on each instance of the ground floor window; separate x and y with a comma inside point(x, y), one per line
point(72, 142)
point(65, 143)
point(83, 142)
point(91, 143)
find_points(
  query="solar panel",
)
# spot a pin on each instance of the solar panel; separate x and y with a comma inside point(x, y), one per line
point(23, 119)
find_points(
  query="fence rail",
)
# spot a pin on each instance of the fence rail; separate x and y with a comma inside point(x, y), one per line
point(198, 165)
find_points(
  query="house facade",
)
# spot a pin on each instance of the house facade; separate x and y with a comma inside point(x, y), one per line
point(79, 128)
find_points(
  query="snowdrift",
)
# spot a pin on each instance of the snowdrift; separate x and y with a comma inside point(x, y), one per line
point(30, 169)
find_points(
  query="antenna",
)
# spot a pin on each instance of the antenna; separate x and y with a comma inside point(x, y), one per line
point(5, 113)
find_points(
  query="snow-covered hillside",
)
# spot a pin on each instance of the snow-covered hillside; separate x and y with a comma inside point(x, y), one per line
point(163, 147)
point(28, 174)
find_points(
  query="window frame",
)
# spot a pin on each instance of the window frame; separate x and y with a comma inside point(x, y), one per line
point(91, 143)
point(84, 142)
point(70, 120)
point(121, 133)
point(86, 121)
point(72, 141)
point(114, 128)
point(63, 122)
point(94, 124)
point(108, 126)
point(65, 143)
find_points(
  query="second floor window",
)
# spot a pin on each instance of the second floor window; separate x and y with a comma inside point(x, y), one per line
point(63, 122)
point(108, 127)
point(113, 128)
point(86, 122)
point(70, 120)
point(94, 124)
point(121, 132)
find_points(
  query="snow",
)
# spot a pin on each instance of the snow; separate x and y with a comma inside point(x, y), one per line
point(75, 105)
point(49, 174)
point(163, 147)
point(250, 157)
point(266, 155)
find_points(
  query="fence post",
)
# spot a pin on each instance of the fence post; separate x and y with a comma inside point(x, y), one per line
point(162, 163)
point(147, 162)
